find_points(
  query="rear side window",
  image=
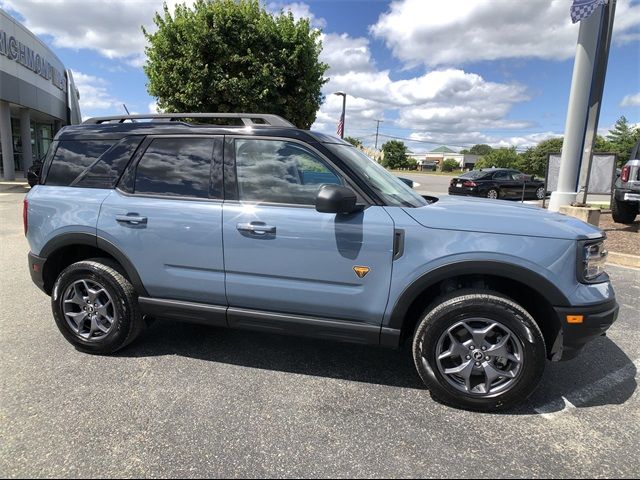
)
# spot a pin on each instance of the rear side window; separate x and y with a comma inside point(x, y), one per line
point(176, 167)
point(72, 158)
point(106, 170)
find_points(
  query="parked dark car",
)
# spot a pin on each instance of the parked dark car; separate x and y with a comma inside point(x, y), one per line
point(498, 183)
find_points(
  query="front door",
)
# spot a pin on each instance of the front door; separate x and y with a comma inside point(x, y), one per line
point(166, 217)
point(281, 255)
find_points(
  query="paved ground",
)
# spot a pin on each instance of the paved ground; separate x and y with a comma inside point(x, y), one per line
point(187, 401)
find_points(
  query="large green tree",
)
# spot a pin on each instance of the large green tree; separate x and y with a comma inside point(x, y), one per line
point(481, 149)
point(235, 56)
point(534, 159)
point(500, 157)
point(353, 141)
point(395, 155)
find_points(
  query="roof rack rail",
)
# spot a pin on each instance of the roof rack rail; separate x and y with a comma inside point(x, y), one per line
point(246, 118)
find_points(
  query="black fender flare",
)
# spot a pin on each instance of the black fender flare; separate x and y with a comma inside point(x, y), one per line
point(83, 238)
point(481, 267)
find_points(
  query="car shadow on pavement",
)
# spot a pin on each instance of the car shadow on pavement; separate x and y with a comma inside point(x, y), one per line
point(601, 375)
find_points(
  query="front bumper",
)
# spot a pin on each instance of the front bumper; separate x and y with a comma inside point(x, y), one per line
point(573, 336)
point(626, 195)
point(36, 266)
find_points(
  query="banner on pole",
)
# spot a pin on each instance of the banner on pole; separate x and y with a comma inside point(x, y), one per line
point(583, 9)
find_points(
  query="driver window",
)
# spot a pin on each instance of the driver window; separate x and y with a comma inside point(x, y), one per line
point(280, 172)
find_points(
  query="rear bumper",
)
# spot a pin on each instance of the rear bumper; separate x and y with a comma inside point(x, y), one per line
point(472, 191)
point(574, 336)
point(36, 265)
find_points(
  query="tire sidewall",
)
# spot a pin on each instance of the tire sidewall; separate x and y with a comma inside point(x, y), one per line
point(436, 322)
point(123, 324)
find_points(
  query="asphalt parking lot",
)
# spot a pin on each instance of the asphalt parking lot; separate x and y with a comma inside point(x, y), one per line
point(191, 401)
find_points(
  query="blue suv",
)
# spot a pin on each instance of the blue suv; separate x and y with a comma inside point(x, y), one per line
point(244, 221)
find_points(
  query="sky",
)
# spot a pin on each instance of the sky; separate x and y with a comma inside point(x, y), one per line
point(454, 72)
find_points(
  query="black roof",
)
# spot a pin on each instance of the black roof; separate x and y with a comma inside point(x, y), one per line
point(115, 131)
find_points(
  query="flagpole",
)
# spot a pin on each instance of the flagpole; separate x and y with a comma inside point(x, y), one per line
point(344, 105)
point(584, 92)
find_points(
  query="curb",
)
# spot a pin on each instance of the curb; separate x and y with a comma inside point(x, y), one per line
point(624, 259)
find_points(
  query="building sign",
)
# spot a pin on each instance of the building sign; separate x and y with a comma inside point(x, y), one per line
point(13, 49)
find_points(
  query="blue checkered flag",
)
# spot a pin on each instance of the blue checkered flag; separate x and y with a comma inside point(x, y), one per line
point(582, 9)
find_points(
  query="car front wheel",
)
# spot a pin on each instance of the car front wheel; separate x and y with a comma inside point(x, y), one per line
point(540, 193)
point(479, 351)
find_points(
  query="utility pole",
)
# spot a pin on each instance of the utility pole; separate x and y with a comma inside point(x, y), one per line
point(587, 85)
point(377, 130)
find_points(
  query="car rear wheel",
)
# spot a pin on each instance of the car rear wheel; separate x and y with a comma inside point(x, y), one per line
point(95, 307)
point(624, 212)
point(479, 351)
point(493, 194)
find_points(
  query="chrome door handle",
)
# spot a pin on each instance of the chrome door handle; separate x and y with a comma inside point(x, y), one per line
point(256, 228)
point(132, 219)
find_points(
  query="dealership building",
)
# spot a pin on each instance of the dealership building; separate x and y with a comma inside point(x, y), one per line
point(37, 97)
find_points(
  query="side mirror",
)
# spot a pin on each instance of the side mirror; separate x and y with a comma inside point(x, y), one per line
point(336, 199)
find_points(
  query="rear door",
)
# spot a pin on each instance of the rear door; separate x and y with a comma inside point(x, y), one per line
point(166, 217)
point(508, 186)
point(281, 255)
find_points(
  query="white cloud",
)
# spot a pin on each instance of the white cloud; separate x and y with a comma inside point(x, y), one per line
point(346, 54)
point(113, 29)
point(631, 100)
point(299, 10)
point(463, 31)
point(94, 93)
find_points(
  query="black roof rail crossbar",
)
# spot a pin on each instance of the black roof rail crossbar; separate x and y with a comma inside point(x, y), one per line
point(246, 118)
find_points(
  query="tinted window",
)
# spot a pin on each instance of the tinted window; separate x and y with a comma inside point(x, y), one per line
point(175, 167)
point(105, 172)
point(73, 157)
point(280, 172)
point(475, 175)
point(502, 176)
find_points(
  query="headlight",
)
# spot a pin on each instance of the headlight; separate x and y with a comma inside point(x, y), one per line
point(592, 258)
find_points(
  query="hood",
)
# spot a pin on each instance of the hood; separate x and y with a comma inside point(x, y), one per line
point(502, 217)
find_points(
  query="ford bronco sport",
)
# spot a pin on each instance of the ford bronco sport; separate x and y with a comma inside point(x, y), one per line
point(267, 227)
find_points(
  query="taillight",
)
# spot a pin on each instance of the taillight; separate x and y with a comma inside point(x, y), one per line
point(624, 176)
point(469, 183)
point(25, 219)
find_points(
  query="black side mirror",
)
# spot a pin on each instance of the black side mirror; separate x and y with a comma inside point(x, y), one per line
point(336, 199)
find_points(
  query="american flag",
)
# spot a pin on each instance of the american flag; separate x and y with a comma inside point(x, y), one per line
point(340, 131)
point(583, 9)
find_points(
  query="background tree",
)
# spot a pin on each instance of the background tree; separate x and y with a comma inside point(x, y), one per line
point(481, 149)
point(621, 139)
point(500, 157)
point(234, 56)
point(534, 160)
point(395, 155)
point(449, 165)
point(353, 141)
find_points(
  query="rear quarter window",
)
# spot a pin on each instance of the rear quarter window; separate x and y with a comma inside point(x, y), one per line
point(72, 158)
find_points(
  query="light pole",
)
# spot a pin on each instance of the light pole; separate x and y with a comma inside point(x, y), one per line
point(344, 106)
point(377, 130)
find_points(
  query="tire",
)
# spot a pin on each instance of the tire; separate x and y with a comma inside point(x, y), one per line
point(624, 212)
point(524, 344)
point(493, 194)
point(541, 192)
point(99, 286)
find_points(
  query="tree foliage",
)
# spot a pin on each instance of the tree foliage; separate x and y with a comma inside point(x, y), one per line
point(353, 141)
point(395, 155)
point(621, 139)
point(534, 159)
point(234, 56)
point(481, 149)
point(449, 165)
point(503, 157)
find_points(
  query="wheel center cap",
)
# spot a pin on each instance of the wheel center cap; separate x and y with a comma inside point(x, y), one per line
point(91, 309)
point(478, 355)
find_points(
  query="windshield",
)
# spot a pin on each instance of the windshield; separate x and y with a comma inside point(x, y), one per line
point(393, 191)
